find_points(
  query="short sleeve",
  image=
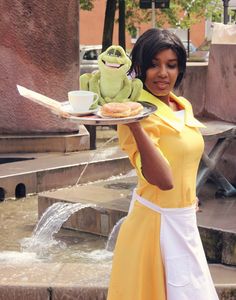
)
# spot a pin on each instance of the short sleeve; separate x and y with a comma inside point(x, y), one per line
point(128, 144)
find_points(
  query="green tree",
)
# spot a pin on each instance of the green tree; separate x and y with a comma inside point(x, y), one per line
point(111, 7)
point(86, 4)
point(122, 23)
point(108, 24)
point(108, 21)
point(181, 14)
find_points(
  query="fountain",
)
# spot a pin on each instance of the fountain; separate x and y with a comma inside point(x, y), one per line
point(38, 262)
point(48, 245)
point(50, 261)
point(70, 263)
point(41, 261)
point(49, 224)
point(111, 242)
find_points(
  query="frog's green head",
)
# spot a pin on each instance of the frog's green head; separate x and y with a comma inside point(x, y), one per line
point(114, 61)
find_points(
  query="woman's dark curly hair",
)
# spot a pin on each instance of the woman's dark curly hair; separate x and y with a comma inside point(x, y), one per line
point(149, 44)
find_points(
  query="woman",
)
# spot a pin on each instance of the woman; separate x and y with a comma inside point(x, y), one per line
point(158, 253)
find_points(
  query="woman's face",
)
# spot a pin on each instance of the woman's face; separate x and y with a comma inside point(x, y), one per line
point(162, 75)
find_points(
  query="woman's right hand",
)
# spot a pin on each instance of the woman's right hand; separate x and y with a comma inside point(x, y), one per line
point(134, 126)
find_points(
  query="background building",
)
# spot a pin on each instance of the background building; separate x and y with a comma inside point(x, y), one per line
point(91, 28)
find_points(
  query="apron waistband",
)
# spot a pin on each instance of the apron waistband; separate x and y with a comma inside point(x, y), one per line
point(157, 208)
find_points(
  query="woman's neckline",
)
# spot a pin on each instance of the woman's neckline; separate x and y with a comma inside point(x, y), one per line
point(171, 102)
point(175, 106)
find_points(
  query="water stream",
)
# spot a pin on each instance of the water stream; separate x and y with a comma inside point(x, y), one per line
point(48, 238)
point(111, 242)
point(49, 224)
point(23, 242)
point(92, 157)
point(55, 216)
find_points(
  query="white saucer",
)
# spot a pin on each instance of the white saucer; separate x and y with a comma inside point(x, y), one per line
point(69, 109)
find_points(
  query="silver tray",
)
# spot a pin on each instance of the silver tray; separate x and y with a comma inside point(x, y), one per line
point(59, 108)
point(96, 119)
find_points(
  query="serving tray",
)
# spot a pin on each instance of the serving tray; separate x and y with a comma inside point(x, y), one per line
point(92, 118)
point(97, 119)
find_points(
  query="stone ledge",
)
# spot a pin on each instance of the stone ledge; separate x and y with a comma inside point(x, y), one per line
point(112, 198)
point(57, 170)
point(41, 281)
point(45, 142)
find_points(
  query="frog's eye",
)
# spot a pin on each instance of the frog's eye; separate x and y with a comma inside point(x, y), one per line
point(110, 52)
point(117, 53)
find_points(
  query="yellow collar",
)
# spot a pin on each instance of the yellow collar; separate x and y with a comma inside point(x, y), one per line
point(165, 113)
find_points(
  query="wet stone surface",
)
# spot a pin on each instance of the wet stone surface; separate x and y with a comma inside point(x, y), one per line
point(120, 186)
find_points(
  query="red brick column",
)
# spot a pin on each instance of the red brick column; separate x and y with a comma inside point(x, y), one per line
point(221, 96)
point(221, 82)
point(39, 49)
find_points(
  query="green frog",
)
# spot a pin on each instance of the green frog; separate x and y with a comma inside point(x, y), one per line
point(111, 82)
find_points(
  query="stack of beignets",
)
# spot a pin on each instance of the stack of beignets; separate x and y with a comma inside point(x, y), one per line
point(121, 110)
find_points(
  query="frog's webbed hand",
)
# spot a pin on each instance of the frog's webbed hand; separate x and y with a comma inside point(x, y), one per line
point(137, 86)
point(94, 86)
point(125, 92)
point(84, 81)
point(108, 100)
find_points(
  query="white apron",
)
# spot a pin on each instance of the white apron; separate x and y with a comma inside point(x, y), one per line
point(187, 273)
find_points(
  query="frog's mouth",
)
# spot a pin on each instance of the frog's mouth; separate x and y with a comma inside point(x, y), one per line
point(112, 65)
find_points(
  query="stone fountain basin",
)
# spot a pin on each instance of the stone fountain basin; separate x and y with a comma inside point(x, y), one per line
point(54, 281)
point(57, 281)
point(216, 219)
point(112, 199)
point(57, 275)
point(63, 279)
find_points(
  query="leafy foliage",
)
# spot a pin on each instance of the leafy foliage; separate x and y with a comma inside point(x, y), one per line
point(86, 4)
point(182, 13)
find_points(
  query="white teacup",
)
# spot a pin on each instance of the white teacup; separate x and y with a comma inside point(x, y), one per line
point(81, 100)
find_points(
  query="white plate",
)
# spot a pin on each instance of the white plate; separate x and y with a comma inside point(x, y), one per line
point(66, 107)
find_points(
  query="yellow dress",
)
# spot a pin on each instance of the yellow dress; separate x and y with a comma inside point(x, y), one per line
point(137, 271)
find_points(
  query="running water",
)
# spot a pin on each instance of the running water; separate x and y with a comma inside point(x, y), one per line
point(92, 157)
point(111, 242)
point(49, 224)
point(53, 218)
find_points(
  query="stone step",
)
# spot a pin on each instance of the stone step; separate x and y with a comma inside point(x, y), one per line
point(216, 218)
point(224, 278)
point(35, 143)
point(37, 172)
point(217, 226)
point(81, 281)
